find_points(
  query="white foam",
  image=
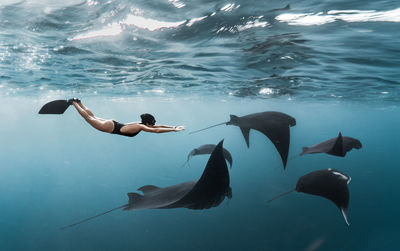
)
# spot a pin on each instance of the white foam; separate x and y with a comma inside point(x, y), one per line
point(194, 20)
point(110, 30)
point(116, 28)
point(229, 7)
point(160, 91)
point(252, 24)
point(320, 18)
point(148, 23)
point(56, 4)
point(177, 3)
point(266, 91)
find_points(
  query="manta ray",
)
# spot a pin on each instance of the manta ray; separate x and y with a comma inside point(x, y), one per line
point(207, 192)
point(328, 183)
point(274, 125)
point(338, 146)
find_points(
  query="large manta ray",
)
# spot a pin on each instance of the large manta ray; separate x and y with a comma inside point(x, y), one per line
point(328, 183)
point(274, 125)
point(209, 191)
point(338, 146)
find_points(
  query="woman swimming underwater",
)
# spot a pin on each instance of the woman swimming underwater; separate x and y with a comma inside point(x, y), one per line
point(148, 123)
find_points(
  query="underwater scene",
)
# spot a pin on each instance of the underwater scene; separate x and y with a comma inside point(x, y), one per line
point(104, 104)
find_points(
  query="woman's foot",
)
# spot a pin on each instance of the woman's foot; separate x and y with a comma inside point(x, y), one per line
point(77, 100)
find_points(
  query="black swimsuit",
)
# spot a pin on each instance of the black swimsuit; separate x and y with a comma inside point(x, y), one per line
point(117, 130)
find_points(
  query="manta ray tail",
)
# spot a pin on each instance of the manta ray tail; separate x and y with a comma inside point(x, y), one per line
point(283, 194)
point(208, 127)
point(90, 218)
point(184, 164)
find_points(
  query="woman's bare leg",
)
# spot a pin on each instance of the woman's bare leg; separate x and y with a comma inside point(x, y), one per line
point(98, 123)
point(89, 111)
point(85, 108)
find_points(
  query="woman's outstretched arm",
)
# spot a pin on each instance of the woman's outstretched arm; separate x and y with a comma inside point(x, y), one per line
point(163, 126)
point(154, 126)
point(162, 130)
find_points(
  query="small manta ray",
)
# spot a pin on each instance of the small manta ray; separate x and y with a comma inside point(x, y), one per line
point(55, 107)
point(338, 146)
point(209, 191)
point(274, 125)
point(207, 149)
point(328, 183)
point(287, 7)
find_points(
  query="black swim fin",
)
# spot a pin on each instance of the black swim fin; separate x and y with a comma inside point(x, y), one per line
point(55, 107)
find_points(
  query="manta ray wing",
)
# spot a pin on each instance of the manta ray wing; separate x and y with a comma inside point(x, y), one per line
point(328, 183)
point(279, 134)
point(337, 148)
point(246, 134)
point(212, 187)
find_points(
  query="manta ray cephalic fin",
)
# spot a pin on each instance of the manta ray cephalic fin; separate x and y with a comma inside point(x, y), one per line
point(148, 188)
point(304, 150)
point(133, 197)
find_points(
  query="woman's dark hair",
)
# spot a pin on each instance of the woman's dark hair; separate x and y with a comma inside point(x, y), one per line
point(147, 118)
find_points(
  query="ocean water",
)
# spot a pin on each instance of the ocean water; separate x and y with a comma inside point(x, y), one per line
point(332, 65)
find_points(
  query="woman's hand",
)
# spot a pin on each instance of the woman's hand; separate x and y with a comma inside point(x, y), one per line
point(179, 128)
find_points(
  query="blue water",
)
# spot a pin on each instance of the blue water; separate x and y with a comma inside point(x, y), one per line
point(333, 65)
